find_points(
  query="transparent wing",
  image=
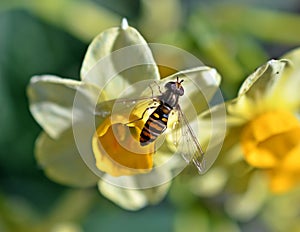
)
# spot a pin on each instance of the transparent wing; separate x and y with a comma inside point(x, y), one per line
point(142, 99)
point(133, 109)
point(187, 143)
point(122, 103)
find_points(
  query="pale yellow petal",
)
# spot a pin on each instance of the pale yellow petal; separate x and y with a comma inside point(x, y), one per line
point(211, 184)
point(118, 58)
point(61, 160)
point(263, 81)
point(51, 101)
point(132, 198)
point(246, 205)
point(288, 90)
point(293, 56)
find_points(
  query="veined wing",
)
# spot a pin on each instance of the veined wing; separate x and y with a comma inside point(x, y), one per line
point(188, 145)
point(119, 105)
point(146, 96)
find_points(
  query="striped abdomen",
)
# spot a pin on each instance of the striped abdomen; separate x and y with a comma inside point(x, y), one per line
point(155, 125)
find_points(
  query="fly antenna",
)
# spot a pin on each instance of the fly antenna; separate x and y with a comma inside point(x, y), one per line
point(179, 82)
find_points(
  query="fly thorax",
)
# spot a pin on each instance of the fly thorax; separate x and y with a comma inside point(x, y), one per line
point(170, 98)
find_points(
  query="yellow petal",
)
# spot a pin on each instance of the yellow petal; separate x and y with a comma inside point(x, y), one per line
point(269, 137)
point(292, 159)
point(282, 181)
point(117, 149)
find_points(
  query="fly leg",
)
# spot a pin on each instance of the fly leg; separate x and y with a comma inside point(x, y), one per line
point(159, 89)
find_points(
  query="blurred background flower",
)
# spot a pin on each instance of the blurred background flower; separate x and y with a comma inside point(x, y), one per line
point(43, 36)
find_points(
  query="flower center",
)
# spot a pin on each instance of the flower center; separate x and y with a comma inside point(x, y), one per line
point(267, 139)
point(117, 149)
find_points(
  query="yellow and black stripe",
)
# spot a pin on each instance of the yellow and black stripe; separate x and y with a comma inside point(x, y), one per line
point(155, 125)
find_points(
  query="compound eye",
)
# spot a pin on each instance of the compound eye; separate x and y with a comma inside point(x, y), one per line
point(181, 91)
point(170, 85)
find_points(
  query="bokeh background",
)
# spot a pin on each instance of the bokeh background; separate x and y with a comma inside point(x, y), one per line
point(51, 36)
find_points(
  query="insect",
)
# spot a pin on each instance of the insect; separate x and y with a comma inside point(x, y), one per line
point(158, 120)
point(167, 102)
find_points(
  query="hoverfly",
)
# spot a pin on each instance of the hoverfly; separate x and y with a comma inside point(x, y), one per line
point(167, 102)
point(158, 120)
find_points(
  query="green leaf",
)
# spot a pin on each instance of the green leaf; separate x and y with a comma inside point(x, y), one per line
point(51, 101)
point(8, 116)
point(193, 220)
point(213, 46)
point(64, 210)
point(222, 223)
point(61, 160)
point(266, 24)
point(118, 58)
point(164, 16)
point(84, 19)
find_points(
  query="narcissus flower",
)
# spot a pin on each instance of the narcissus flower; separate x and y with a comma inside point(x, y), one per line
point(82, 122)
point(264, 122)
